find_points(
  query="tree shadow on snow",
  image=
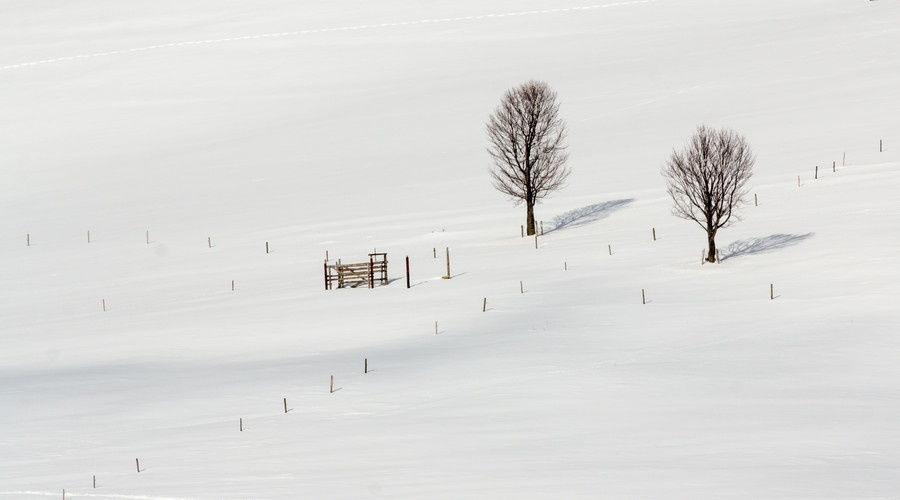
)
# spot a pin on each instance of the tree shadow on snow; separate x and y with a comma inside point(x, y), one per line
point(762, 245)
point(586, 215)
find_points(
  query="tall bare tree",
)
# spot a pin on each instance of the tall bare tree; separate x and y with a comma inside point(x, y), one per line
point(527, 147)
point(707, 180)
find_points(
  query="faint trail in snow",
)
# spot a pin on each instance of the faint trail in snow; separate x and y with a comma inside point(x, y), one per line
point(325, 30)
point(75, 496)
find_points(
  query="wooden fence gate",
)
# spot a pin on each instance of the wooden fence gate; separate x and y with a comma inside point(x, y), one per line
point(356, 274)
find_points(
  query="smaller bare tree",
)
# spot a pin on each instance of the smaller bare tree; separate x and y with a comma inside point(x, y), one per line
point(707, 180)
point(527, 147)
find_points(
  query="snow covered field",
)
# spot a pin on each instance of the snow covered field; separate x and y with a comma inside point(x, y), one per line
point(217, 128)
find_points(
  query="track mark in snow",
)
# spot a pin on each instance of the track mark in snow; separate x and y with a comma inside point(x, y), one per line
point(86, 495)
point(327, 30)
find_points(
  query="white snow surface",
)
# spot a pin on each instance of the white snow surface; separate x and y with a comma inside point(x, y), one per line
point(317, 126)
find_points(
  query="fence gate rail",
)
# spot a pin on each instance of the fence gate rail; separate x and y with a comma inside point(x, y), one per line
point(357, 273)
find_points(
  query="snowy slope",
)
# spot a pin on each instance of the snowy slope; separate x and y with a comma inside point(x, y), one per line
point(344, 127)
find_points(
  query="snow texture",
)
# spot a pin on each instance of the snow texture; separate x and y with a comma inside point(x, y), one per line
point(152, 151)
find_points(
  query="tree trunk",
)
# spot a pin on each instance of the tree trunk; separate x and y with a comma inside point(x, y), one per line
point(711, 256)
point(529, 222)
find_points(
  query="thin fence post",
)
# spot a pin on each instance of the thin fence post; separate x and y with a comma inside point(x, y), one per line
point(833, 166)
point(610, 248)
point(522, 230)
point(643, 297)
point(331, 385)
point(654, 234)
point(137, 463)
point(484, 305)
point(755, 200)
point(366, 366)
point(535, 241)
point(448, 262)
point(28, 239)
point(435, 328)
point(285, 405)
point(371, 273)
point(817, 172)
point(147, 236)
point(881, 145)
point(771, 291)
point(521, 287)
point(542, 228)
point(242, 424)
point(407, 271)
point(844, 159)
point(267, 247)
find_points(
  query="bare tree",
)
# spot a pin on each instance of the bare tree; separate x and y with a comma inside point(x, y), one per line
point(527, 146)
point(707, 180)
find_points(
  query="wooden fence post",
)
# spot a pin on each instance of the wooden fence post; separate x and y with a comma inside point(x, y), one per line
point(371, 273)
point(654, 234)
point(138, 464)
point(407, 271)
point(448, 263)
point(643, 297)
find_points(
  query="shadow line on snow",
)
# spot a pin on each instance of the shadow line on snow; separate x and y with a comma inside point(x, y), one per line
point(588, 214)
point(765, 244)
